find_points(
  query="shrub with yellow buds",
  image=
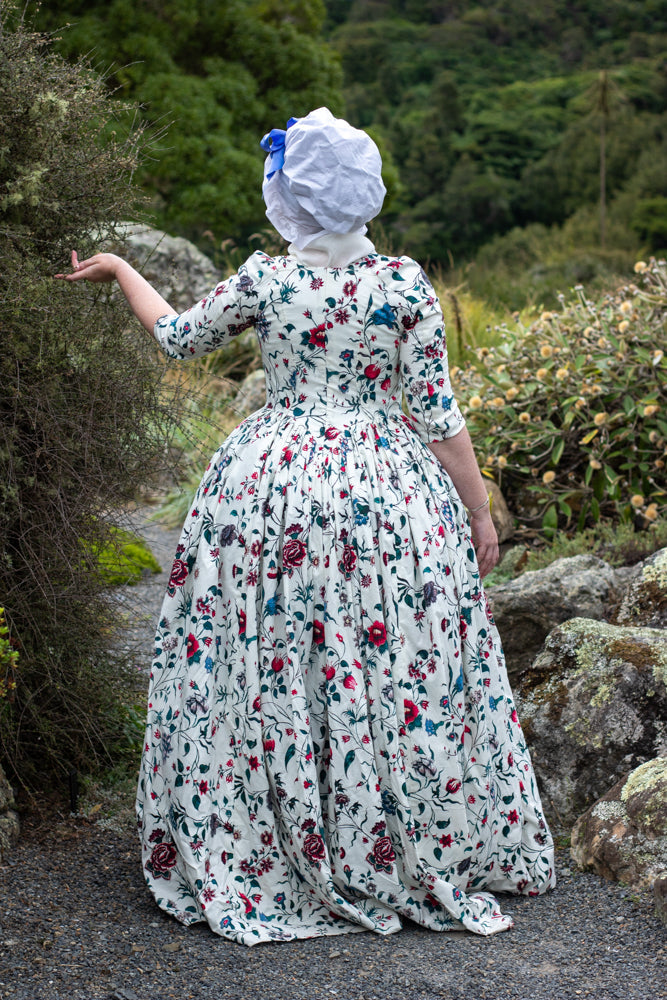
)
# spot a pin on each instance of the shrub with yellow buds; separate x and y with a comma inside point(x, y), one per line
point(548, 477)
point(637, 501)
point(475, 402)
point(524, 418)
point(546, 351)
point(511, 393)
point(541, 373)
point(623, 326)
point(626, 307)
point(640, 267)
point(651, 410)
point(651, 512)
point(600, 418)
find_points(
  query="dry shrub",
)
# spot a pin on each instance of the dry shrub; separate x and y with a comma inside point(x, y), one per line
point(82, 409)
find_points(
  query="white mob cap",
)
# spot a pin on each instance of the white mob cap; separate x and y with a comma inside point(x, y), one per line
point(321, 176)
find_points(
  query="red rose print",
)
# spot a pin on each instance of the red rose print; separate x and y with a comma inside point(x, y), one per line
point(349, 682)
point(446, 840)
point(277, 663)
point(453, 786)
point(382, 856)
point(318, 633)
point(162, 860)
point(331, 433)
point(269, 746)
point(385, 383)
point(411, 711)
point(313, 848)
point(372, 371)
point(377, 634)
point(193, 646)
point(349, 560)
point(179, 573)
point(254, 763)
point(294, 552)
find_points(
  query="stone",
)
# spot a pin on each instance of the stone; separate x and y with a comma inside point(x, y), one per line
point(528, 608)
point(623, 836)
point(9, 819)
point(593, 706)
point(251, 395)
point(179, 271)
point(645, 601)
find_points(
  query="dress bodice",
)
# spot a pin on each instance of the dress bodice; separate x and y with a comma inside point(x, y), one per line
point(345, 340)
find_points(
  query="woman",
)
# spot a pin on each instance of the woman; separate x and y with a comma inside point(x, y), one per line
point(331, 739)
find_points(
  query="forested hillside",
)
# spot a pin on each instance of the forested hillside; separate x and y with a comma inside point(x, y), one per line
point(493, 113)
point(492, 117)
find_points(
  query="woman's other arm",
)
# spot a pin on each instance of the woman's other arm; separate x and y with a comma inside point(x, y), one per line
point(457, 457)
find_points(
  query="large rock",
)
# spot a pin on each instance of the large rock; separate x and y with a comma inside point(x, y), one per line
point(251, 395)
point(645, 601)
point(593, 706)
point(528, 608)
point(502, 519)
point(9, 820)
point(624, 835)
point(180, 272)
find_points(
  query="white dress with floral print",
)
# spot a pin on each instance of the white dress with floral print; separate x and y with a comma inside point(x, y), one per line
point(331, 740)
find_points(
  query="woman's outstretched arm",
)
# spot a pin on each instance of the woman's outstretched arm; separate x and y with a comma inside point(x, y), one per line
point(146, 304)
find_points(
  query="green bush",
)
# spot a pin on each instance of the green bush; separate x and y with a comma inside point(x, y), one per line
point(569, 414)
point(82, 410)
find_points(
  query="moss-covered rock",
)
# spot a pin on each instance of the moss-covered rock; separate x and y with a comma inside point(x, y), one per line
point(623, 836)
point(593, 705)
point(528, 608)
point(645, 602)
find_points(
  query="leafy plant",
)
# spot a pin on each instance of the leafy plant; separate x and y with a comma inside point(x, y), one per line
point(8, 661)
point(569, 414)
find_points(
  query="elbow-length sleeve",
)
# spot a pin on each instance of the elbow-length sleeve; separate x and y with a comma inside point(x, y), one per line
point(229, 309)
point(423, 360)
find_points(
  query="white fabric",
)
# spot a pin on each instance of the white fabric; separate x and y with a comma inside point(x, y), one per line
point(333, 250)
point(331, 180)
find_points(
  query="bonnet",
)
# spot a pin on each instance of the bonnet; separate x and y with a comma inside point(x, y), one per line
point(321, 175)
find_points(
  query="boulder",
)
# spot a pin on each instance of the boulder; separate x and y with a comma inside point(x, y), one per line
point(645, 601)
point(660, 896)
point(502, 519)
point(180, 272)
point(251, 395)
point(593, 706)
point(9, 820)
point(528, 608)
point(624, 835)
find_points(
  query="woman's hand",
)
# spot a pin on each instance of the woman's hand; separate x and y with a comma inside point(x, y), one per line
point(100, 268)
point(485, 541)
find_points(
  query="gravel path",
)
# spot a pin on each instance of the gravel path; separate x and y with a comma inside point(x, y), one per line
point(77, 923)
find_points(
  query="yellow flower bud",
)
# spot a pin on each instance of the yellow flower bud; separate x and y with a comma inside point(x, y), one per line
point(626, 307)
point(561, 373)
point(651, 512)
point(659, 464)
point(512, 393)
point(548, 477)
point(653, 437)
point(623, 326)
point(599, 419)
point(497, 401)
point(589, 331)
point(524, 418)
point(640, 266)
point(546, 350)
point(541, 373)
point(651, 410)
point(475, 402)
point(602, 342)
point(637, 501)
point(594, 464)
point(580, 403)
point(657, 357)
point(502, 461)
point(546, 316)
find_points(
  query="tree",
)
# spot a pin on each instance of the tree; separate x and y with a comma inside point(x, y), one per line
point(217, 76)
point(81, 410)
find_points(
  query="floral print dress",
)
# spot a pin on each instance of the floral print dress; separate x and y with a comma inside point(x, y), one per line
point(331, 740)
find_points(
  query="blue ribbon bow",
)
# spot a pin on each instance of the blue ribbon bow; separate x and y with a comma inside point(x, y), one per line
point(273, 143)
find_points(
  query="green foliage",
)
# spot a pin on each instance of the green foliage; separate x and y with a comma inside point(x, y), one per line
point(215, 77)
point(570, 413)
point(83, 414)
point(8, 661)
point(493, 117)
